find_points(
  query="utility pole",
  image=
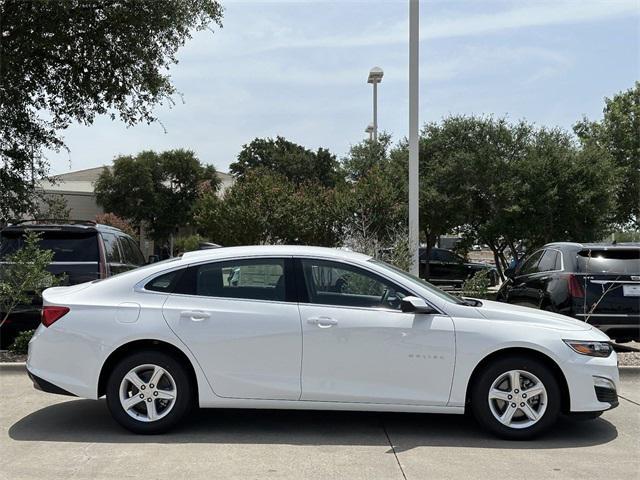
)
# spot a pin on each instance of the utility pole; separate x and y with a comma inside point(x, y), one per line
point(414, 42)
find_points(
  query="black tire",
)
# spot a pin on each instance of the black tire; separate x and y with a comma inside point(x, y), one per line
point(182, 404)
point(480, 397)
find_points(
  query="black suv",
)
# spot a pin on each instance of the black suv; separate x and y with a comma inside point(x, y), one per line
point(448, 269)
point(596, 283)
point(82, 252)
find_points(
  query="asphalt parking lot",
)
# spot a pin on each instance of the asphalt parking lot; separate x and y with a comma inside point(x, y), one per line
point(52, 437)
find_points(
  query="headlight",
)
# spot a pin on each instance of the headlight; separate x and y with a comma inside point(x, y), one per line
point(592, 349)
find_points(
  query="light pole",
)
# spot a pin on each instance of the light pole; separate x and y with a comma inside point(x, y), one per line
point(414, 29)
point(369, 130)
point(375, 77)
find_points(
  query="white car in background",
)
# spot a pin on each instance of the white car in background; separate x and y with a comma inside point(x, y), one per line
point(312, 328)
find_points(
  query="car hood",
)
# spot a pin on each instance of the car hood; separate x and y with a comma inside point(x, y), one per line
point(515, 313)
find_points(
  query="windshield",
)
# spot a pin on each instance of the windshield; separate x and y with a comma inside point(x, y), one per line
point(423, 283)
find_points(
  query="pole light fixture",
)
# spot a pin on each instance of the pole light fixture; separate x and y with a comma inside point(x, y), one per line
point(369, 130)
point(375, 77)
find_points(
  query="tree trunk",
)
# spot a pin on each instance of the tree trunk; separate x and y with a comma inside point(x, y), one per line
point(496, 259)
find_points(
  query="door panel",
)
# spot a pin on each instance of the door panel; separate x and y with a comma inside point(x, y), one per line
point(248, 348)
point(376, 356)
point(360, 347)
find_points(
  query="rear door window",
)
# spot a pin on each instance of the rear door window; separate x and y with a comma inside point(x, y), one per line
point(251, 279)
point(67, 246)
point(617, 261)
point(548, 262)
point(132, 255)
point(137, 257)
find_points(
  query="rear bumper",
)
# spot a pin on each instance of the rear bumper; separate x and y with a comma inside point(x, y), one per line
point(48, 387)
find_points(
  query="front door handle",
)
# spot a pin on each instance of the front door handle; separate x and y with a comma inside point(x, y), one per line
point(322, 322)
point(195, 315)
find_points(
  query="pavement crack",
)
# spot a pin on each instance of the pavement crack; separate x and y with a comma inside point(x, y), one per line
point(630, 401)
point(393, 449)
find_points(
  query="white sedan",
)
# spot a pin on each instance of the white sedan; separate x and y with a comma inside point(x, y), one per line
point(312, 328)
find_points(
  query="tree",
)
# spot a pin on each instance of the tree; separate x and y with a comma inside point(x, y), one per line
point(289, 159)
point(114, 220)
point(563, 193)
point(67, 61)
point(158, 190)
point(24, 273)
point(618, 135)
point(56, 207)
point(363, 156)
point(504, 183)
point(266, 207)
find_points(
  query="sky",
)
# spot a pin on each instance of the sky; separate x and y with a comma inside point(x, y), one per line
point(299, 69)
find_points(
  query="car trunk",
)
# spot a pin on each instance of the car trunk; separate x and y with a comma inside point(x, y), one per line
point(610, 281)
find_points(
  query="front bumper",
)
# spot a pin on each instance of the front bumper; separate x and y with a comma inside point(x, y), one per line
point(585, 376)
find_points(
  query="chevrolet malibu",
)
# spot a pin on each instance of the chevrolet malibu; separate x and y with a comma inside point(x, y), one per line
point(312, 328)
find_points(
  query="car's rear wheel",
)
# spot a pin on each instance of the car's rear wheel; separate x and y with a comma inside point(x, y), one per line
point(516, 398)
point(149, 392)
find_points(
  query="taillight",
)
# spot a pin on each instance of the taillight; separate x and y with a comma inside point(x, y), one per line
point(50, 314)
point(575, 289)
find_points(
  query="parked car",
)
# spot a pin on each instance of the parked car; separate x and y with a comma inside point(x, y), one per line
point(448, 269)
point(596, 283)
point(227, 328)
point(82, 252)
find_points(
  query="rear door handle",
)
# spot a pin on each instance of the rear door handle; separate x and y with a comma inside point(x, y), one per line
point(322, 322)
point(195, 315)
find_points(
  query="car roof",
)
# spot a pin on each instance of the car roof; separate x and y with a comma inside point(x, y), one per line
point(600, 246)
point(284, 250)
point(75, 226)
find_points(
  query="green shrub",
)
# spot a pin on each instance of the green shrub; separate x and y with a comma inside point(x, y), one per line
point(478, 285)
point(20, 345)
point(188, 244)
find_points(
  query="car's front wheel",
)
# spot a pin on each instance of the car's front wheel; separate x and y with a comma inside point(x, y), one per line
point(149, 392)
point(516, 398)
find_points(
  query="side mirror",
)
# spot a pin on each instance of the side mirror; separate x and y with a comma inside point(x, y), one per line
point(510, 272)
point(153, 258)
point(416, 305)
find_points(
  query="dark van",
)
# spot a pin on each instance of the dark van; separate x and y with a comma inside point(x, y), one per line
point(82, 252)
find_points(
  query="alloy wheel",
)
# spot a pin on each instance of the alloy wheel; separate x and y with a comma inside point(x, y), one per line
point(148, 393)
point(517, 399)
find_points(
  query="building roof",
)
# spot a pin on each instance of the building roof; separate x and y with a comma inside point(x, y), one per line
point(82, 181)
